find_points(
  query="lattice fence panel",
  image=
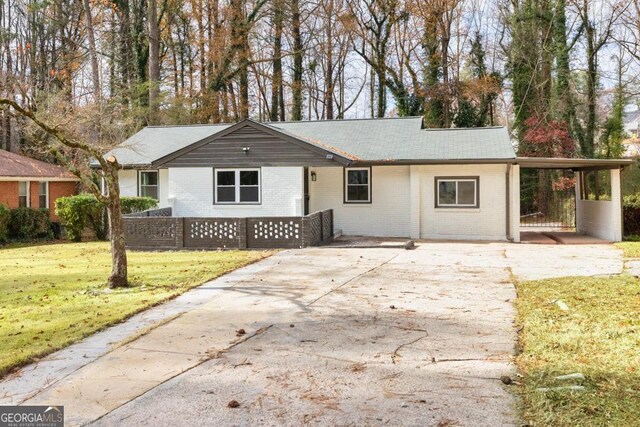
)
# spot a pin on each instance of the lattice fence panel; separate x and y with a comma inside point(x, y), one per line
point(211, 232)
point(163, 212)
point(327, 224)
point(151, 232)
point(274, 232)
point(315, 221)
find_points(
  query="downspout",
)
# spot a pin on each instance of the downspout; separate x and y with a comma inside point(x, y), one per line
point(621, 205)
point(508, 198)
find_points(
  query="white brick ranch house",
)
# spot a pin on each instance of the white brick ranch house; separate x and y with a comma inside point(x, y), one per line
point(381, 177)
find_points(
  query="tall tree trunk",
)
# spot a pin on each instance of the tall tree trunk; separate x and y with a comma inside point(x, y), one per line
point(93, 56)
point(201, 51)
point(587, 148)
point(213, 33)
point(118, 276)
point(372, 91)
point(5, 117)
point(243, 89)
point(126, 57)
point(154, 61)
point(382, 78)
point(564, 106)
point(296, 85)
point(276, 83)
point(328, 83)
point(446, 101)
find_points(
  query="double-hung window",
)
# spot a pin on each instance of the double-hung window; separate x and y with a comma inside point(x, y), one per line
point(454, 192)
point(233, 186)
point(43, 195)
point(357, 185)
point(23, 194)
point(148, 184)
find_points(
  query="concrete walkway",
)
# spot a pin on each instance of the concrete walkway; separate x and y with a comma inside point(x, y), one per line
point(322, 335)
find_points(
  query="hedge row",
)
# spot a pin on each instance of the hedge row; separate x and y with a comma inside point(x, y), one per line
point(79, 212)
point(24, 224)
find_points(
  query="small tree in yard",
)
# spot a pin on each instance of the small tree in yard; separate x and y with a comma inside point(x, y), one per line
point(73, 150)
point(544, 138)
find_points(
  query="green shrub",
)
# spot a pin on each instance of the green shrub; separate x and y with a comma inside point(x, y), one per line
point(74, 213)
point(28, 224)
point(137, 204)
point(5, 213)
point(631, 214)
point(84, 210)
point(631, 201)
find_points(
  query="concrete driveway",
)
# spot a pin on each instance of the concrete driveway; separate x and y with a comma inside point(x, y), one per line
point(327, 336)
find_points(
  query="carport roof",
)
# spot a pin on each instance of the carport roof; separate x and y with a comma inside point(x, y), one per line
point(557, 163)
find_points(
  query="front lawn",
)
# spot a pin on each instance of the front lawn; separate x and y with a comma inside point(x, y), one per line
point(631, 249)
point(598, 336)
point(54, 294)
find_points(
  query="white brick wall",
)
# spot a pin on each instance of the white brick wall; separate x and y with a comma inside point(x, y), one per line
point(191, 193)
point(388, 213)
point(488, 222)
point(515, 203)
point(601, 218)
point(128, 182)
point(403, 203)
point(129, 185)
point(402, 199)
point(163, 188)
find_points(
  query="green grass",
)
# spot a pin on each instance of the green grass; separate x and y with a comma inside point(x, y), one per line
point(52, 295)
point(599, 336)
point(630, 248)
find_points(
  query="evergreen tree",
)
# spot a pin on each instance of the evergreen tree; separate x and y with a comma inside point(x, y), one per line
point(613, 130)
point(467, 115)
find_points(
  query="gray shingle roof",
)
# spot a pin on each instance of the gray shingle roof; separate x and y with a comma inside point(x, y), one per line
point(391, 139)
point(154, 142)
point(404, 139)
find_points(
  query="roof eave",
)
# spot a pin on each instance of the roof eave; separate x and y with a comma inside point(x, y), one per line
point(576, 164)
point(389, 162)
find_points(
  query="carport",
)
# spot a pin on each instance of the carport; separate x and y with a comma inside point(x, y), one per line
point(595, 187)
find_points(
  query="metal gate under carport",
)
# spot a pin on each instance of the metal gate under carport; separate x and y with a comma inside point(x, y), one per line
point(567, 199)
point(547, 199)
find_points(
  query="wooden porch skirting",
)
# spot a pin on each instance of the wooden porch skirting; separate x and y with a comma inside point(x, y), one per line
point(155, 230)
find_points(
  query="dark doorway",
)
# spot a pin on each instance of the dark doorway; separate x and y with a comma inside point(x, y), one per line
point(306, 191)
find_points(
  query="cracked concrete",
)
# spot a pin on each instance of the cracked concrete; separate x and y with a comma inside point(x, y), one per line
point(345, 336)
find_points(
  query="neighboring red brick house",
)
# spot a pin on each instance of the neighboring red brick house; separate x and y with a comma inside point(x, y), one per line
point(32, 183)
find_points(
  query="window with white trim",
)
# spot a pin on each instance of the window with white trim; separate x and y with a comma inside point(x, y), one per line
point(23, 194)
point(237, 186)
point(357, 185)
point(148, 184)
point(43, 195)
point(457, 192)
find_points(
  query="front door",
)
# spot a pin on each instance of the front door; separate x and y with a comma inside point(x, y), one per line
point(306, 191)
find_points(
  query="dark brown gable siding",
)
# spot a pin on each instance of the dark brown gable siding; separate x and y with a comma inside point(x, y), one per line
point(264, 150)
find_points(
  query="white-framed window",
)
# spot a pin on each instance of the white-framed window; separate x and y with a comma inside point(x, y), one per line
point(357, 185)
point(148, 184)
point(237, 186)
point(457, 192)
point(43, 195)
point(23, 194)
